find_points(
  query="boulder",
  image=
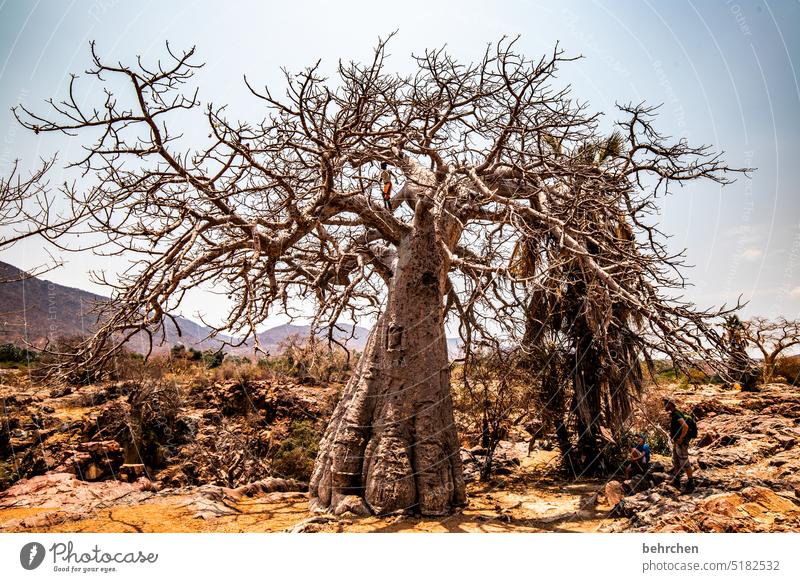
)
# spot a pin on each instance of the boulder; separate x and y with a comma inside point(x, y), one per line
point(351, 504)
point(786, 441)
point(65, 491)
point(60, 391)
point(100, 448)
point(96, 460)
point(131, 472)
point(708, 437)
point(614, 492)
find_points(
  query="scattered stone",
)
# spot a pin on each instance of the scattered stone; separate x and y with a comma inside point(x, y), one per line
point(96, 460)
point(589, 502)
point(60, 391)
point(131, 472)
point(506, 459)
point(13, 399)
point(314, 524)
point(351, 504)
point(614, 492)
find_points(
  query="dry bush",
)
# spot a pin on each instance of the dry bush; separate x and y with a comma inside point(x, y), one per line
point(149, 425)
point(494, 395)
point(233, 454)
point(113, 423)
point(52, 364)
point(241, 370)
point(155, 407)
point(312, 360)
point(301, 361)
point(788, 368)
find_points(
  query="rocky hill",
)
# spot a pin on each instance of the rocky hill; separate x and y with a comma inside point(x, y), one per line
point(354, 336)
point(36, 310)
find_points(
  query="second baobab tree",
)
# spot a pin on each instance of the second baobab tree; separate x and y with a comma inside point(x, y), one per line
point(772, 338)
point(289, 207)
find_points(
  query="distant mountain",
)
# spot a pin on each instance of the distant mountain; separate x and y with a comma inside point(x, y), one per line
point(36, 310)
point(353, 337)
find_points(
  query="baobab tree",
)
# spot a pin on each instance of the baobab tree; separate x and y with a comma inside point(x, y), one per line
point(288, 207)
point(772, 338)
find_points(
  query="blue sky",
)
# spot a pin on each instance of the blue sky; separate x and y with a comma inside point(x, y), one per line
point(724, 71)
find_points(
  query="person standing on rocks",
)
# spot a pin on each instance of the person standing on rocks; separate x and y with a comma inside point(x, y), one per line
point(680, 431)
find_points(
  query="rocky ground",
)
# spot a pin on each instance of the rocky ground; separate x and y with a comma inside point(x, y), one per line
point(77, 452)
point(748, 454)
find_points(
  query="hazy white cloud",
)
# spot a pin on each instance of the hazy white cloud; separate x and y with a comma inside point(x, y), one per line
point(746, 233)
point(795, 292)
point(752, 254)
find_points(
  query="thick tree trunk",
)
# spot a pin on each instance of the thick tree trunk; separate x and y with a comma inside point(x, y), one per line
point(391, 444)
point(586, 407)
point(769, 369)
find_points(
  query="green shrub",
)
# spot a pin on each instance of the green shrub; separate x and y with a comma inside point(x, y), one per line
point(11, 354)
point(694, 377)
point(8, 475)
point(178, 353)
point(667, 376)
point(212, 358)
point(294, 458)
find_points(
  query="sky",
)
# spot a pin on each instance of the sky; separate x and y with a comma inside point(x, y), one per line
point(724, 71)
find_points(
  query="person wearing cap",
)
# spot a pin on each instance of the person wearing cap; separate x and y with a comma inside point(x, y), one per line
point(679, 433)
point(639, 461)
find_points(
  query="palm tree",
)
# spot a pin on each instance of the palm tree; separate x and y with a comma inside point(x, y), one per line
point(585, 350)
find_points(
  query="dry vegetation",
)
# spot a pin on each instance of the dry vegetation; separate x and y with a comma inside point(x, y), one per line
point(217, 443)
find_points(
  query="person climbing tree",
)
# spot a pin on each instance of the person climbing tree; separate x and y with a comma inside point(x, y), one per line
point(386, 185)
point(682, 429)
